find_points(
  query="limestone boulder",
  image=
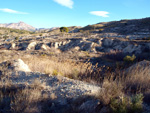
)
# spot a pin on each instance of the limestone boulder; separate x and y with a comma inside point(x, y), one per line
point(107, 42)
point(133, 49)
point(31, 46)
point(19, 65)
point(56, 45)
point(12, 46)
point(77, 48)
point(15, 65)
point(118, 47)
point(86, 46)
point(42, 46)
point(129, 49)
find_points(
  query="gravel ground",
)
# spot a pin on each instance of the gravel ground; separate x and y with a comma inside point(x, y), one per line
point(60, 86)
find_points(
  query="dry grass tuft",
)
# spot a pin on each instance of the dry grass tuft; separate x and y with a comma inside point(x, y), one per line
point(110, 89)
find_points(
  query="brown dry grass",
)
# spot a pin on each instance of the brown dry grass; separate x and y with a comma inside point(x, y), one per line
point(138, 76)
point(52, 66)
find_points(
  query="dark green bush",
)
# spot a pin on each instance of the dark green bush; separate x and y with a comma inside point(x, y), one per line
point(64, 29)
point(131, 104)
point(16, 38)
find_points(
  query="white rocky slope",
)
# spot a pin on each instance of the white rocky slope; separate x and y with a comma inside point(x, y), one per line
point(63, 91)
point(62, 87)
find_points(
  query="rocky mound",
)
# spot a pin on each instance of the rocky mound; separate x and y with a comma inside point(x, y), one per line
point(83, 44)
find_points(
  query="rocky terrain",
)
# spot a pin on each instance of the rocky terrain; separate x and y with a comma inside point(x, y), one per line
point(104, 70)
point(94, 45)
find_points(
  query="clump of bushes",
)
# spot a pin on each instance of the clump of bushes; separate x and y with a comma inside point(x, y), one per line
point(81, 31)
point(129, 58)
point(148, 38)
point(5, 37)
point(131, 104)
point(55, 72)
point(16, 38)
point(64, 29)
point(101, 30)
point(40, 35)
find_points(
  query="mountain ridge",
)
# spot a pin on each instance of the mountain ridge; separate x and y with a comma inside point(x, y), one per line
point(122, 27)
point(20, 25)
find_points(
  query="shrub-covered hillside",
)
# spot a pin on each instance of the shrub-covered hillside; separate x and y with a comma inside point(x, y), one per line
point(13, 32)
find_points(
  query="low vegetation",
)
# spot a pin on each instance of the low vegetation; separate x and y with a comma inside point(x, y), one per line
point(129, 58)
point(13, 32)
point(64, 29)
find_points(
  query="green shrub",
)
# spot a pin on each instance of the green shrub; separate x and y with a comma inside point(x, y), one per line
point(81, 31)
point(101, 30)
point(119, 105)
point(5, 37)
point(16, 38)
point(64, 29)
point(127, 104)
point(136, 105)
point(55, 72)
point(75, 73)
point(40, 34)
point(129, 58)
point(148, 38)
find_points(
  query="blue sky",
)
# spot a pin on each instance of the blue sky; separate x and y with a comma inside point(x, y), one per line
point(57, 13)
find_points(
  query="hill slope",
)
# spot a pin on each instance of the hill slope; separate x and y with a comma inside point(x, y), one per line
point(13, 32)
point(123, 27)
point(19, 25)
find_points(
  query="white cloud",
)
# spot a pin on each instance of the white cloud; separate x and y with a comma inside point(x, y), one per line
point(12, 11)
point(100, 13)
point(67, 3)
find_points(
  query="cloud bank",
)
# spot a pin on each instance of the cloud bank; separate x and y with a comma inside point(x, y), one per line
point(100, 13)
point(66, 3)
point(12, 11)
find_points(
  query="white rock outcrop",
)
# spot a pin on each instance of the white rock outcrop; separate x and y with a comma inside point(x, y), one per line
point(19, 65)
point(31, 45)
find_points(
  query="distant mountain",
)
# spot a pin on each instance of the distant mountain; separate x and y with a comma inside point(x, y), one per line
point(19, 25)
